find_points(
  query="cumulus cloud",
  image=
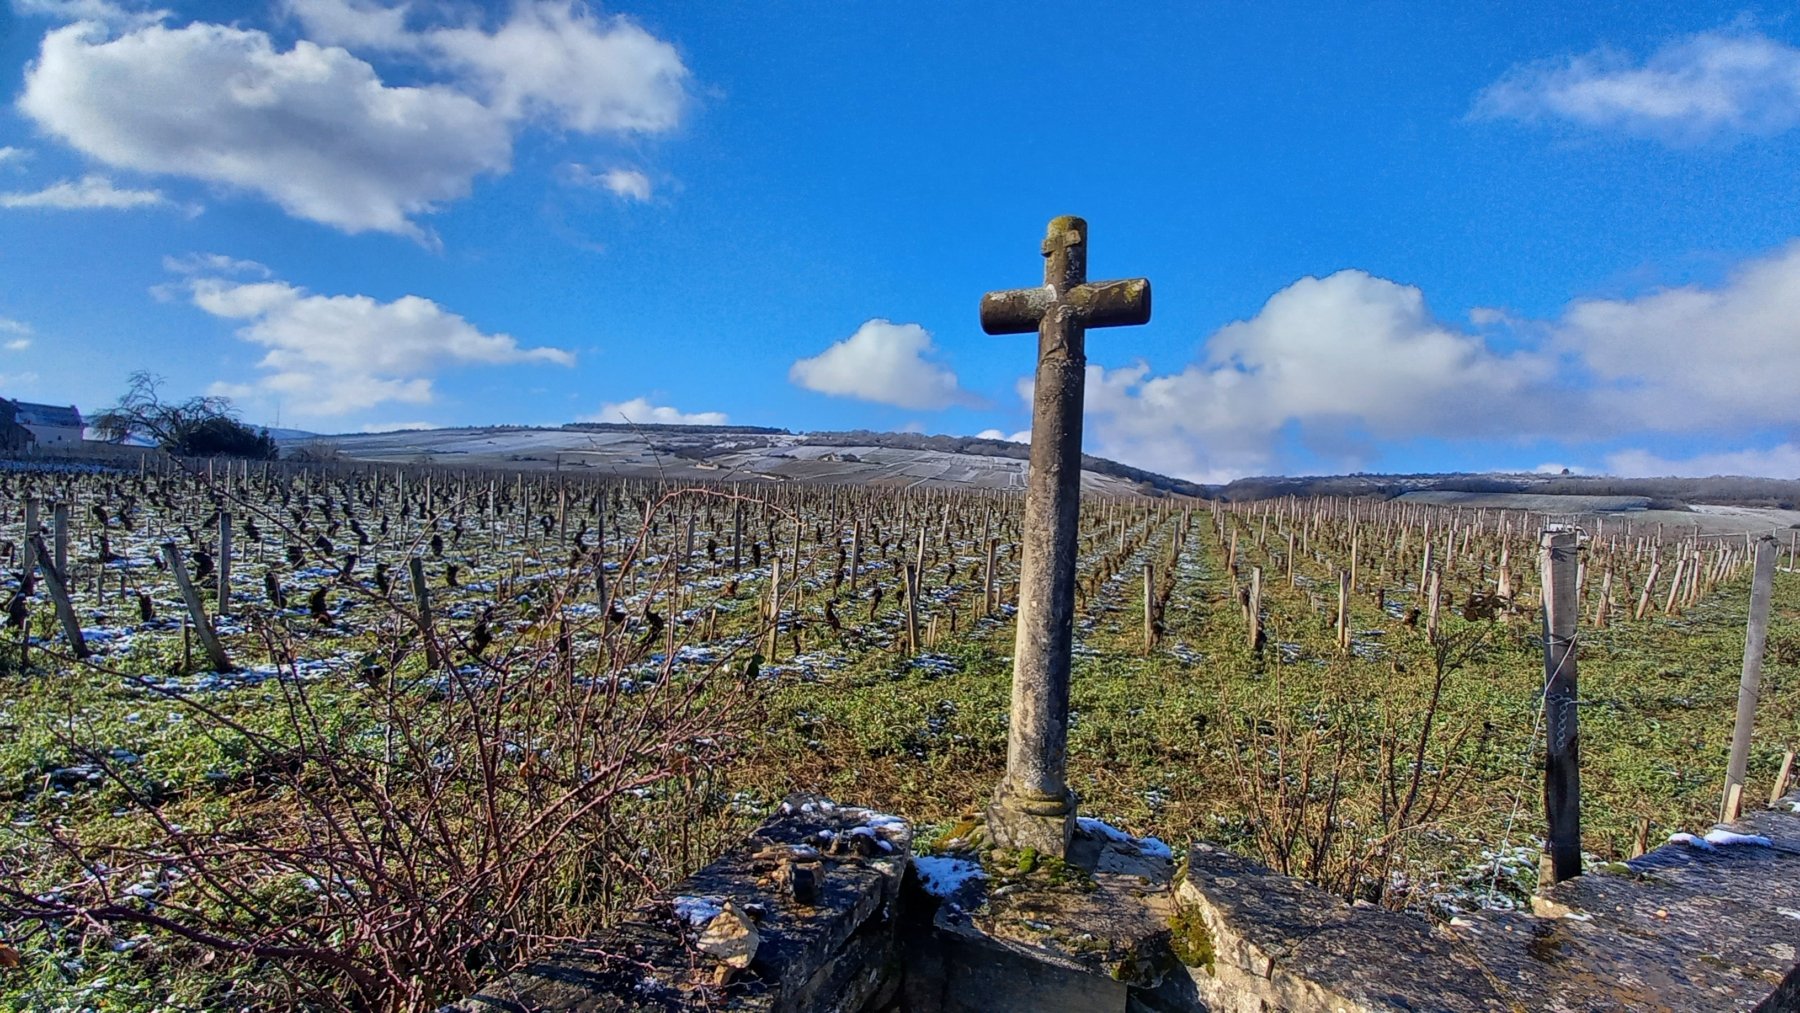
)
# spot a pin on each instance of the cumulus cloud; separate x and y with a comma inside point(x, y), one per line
point(9, 153)
point(1780, 461)
point(19, 327)
point(344, 353)
point(1692, 88)
point(639, 409)
point(886, 363)
point(87, 193)
point(318, 131)
point(1342, 360)
point(560, 61)
point(1721, 358)
point(313, 129)
point(100, 11)
point(1337, 366)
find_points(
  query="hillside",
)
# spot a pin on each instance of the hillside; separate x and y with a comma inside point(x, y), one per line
point(749, 453)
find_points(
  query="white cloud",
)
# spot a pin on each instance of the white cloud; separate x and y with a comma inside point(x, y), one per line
point(1341, 361)
point(1022, 436)
point(628, 183)
point(89, 192)
point(12, 154)
point(1697, 86)
point(558, 60)
point(1339, 364)
point(99, 11)
point(214, 263)
point(886, 363)
point(313, 129)
point(354, 24)
point(397, 427)
point(1721, 358)
point(316, 129)
point(1780, 461)
point(14, 327)
point(17, 344)
point(345, 353)
point(639, 409)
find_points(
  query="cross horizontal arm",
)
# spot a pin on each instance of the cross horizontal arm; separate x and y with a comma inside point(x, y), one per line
point(1112, 303)
point(1015, 311)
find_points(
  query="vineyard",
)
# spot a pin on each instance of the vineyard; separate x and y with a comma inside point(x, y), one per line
point(362, 736)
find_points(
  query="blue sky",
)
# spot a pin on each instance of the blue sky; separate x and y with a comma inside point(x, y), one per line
point(1388, 237)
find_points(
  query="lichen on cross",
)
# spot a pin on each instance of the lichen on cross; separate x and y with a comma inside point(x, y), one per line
point(1033, 806)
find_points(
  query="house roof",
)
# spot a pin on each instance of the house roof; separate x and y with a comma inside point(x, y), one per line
point(62, 416)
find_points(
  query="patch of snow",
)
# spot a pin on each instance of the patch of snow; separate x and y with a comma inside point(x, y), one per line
point(1148, 846)
point(943, 876)
point(699, 911)
point(1722, 836)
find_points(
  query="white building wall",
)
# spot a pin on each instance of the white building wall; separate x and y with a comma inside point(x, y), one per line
point(51, 436)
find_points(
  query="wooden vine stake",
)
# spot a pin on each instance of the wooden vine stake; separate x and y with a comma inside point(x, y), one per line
point(59, 594)
point(209, 638)
point(1562, 760)
point(1750, 682)
point(415, 568)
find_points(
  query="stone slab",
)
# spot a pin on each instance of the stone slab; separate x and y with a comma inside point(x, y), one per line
point(835, 954)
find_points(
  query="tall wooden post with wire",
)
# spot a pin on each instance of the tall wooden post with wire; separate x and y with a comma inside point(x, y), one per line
point(1558, 561)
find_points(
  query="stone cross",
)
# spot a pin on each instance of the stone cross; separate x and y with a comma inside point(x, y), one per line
point(1033, 807)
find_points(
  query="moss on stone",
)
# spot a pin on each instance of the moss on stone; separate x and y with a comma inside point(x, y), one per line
point(1190, 939)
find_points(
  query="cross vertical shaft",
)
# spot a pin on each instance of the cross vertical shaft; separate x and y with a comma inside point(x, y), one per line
point(1033, 806)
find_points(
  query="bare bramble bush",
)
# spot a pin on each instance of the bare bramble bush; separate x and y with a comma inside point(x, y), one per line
point(391, 840)
point(1339, 784)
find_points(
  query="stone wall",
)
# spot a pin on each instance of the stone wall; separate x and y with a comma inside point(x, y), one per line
point(800, 918)
point(824, 909)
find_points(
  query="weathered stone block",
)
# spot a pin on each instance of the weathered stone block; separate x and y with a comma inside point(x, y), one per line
point(831, 956)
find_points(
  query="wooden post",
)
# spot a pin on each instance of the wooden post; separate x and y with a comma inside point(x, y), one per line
point(31, 539)
point(856, 538)
point(987, 580)
point(1149, 608)
point(1755, 636)
point(1431, 608)
point(1562, 762)
point(209, 638)
point(59, 525)
point(774, 608)
point(1255, 608)
point(1675, 586)
point(1643, 606)
point(1343, 611)
point(224, 567)
point(912, 608)
point(1605, 602)
point(59, 594)
point(415, 569)
point(737, 536)
point(1779, 790)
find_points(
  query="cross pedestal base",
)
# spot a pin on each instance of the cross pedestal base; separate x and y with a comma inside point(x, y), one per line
point(1044, 824)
